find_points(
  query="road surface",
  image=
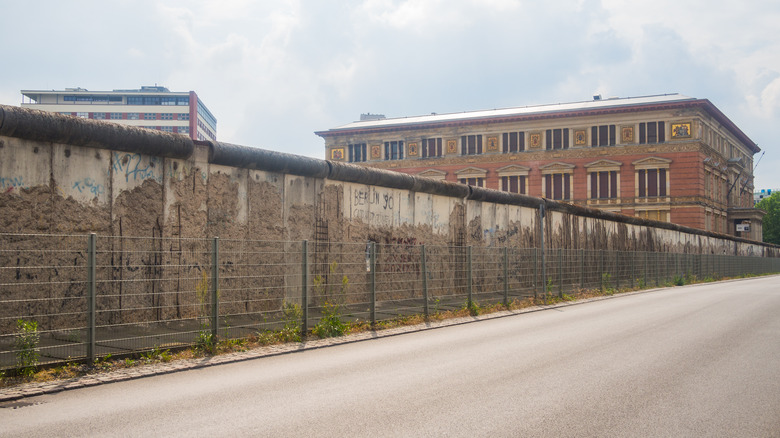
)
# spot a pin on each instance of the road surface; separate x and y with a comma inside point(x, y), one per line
point(701, 360)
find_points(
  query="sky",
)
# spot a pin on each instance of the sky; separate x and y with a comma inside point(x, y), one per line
point(274, 72)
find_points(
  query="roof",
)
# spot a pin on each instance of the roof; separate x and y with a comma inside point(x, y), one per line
point(143, 90)
point(590, 107)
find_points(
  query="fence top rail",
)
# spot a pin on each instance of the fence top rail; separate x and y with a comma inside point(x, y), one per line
point(230, 243)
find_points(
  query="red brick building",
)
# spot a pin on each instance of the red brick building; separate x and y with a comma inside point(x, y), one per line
point(669, 157)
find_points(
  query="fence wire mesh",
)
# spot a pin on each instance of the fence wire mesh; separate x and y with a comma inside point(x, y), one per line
point(125, 295)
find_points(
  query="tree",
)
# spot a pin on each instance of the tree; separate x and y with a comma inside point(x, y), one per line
point(771, 205)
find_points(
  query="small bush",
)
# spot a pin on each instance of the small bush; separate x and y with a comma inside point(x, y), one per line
point(26, 343)
point(291, 331)
point(330, 324)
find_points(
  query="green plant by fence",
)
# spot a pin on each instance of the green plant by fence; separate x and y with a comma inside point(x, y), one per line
point(86, 297)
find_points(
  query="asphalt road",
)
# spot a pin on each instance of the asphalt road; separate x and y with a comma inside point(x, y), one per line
point(700, 360)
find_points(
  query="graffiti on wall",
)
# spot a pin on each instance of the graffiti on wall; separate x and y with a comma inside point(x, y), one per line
point(374, 205)
point(134, 168)
point(8, 184)
point(89, 185)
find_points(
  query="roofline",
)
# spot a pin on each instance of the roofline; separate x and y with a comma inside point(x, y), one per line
point(113, 92)
point(615, 109)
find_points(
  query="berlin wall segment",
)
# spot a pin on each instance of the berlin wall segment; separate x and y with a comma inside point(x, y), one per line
point(75, 180)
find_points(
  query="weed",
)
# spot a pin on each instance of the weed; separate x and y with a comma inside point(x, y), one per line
point(330, 324)
point(266, 337)
point(103, 362)
point(436, 303)
point(641, 283)
point(129, 362)
point(472, 307)
point(291, 315)
point(157, 355)
point(606, 283)
point(678, 280)
point(26, 344)
point(204, 338)
point(323, 288)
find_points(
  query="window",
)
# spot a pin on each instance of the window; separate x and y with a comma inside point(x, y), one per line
point(431, 147)
point(166, 116)
point(652, 132)
point(604, 185)
point(132, 116)
point(116, 116)
point(99, 116)
point(514, 142)
point(514, 184)
point(184, 130)
point(558, 138)
point(472, 176)
point(149, 116)
point(166, 128)
point(394, 150)
point(357, 152)
point(83, 115)
point(558, 186)
point(476, 182)
point(184, 117)
point(652, 182)
point(471, 145)
point(603, 135)
point(135, 100)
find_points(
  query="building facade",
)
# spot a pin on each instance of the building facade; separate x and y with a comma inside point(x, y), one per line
point(669, 157)
point(151, 107)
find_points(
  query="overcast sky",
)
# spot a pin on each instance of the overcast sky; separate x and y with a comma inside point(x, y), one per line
point(273, 72)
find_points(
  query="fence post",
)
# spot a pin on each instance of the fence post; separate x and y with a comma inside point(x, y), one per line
point(536, 272)
point(601, 269)
point(373, 282)
point(560, 272)
point(543, 261)
point(91, 293)
point(215, 288)
point(304, 288)
point(468, 277)
point(506, 277)
point(633, 274)
point(582, 268)
point(424, 281)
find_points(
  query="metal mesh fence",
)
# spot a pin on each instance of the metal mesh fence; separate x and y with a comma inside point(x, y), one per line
point(84, 297)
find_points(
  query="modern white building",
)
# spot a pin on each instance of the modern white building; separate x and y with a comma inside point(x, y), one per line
point(152, 107)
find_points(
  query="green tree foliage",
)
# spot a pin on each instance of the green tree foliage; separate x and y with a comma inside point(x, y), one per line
point(771, 205)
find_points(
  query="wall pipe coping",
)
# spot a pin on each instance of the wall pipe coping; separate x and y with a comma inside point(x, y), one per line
point(247, 157)
point(32, 124)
